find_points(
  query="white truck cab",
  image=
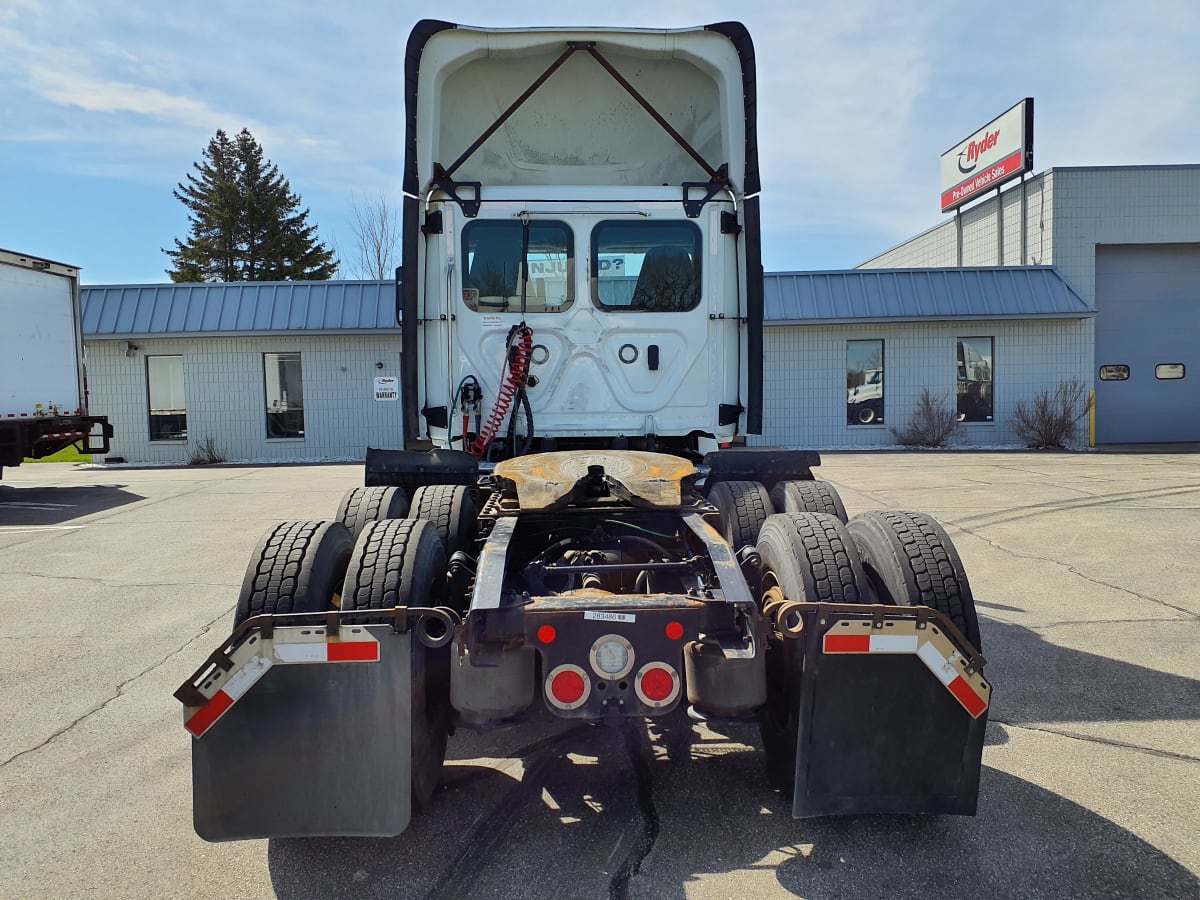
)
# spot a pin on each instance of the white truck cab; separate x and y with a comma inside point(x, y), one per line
point(594, 187)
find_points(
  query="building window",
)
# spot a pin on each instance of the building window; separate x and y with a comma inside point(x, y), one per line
point(168, 410)
point(1169, 371)
point(646, 266)
point(1114, 373)
point(864, 382)
point(975, 379)
point(285, 395)
point(493, 253)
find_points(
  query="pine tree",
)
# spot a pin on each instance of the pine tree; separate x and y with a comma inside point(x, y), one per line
point(245, 222)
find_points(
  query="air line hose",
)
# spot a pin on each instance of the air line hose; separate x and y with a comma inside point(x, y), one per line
point(517, 357)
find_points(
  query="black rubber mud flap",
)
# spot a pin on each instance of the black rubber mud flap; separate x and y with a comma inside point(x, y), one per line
point(880, 733)
point(410, 469)
point(316, 750)
point(766, 465)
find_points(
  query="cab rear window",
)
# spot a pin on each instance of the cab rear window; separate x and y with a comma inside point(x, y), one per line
point(492, 278)
point(646, 266)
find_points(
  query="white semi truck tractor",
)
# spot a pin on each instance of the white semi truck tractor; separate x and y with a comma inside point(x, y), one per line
point(573, 522)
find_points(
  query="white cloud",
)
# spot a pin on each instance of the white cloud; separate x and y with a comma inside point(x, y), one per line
point(95, 95)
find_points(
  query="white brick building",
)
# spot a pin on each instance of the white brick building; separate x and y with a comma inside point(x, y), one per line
point(1032, 329)
point(288, 371)
point(1128, 239)
point(266, 371)
point(1080, 273)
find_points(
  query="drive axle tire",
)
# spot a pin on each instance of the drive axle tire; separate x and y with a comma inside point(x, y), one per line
point(363, 505)
point(811, 558)
point(744, 507)
point(402, 562)
point(808, 496)
point(452, 510)
point(910, 561)
point(297, 567)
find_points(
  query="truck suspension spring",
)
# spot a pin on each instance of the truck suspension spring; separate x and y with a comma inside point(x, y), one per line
point(784, 614)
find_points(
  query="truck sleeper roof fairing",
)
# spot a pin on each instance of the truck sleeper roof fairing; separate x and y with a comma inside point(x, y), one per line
point(460, 80)
point(531, 111)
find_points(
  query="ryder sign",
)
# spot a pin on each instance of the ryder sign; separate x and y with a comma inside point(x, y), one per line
point(997, 152)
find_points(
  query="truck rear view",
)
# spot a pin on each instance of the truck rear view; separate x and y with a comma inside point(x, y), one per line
point(572, 525)
point(43, 391)
point(596, 190)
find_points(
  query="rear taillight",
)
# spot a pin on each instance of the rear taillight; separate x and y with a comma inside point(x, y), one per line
point(657, 684)
point(568, 687)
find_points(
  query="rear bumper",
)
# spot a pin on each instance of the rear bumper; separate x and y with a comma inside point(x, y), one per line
point(35, 437)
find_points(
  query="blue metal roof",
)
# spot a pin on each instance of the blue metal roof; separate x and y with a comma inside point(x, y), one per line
point(272, 307)
point(308, 307)
point(1007, 292)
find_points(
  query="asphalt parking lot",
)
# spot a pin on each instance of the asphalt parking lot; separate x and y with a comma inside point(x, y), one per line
point(117, 582)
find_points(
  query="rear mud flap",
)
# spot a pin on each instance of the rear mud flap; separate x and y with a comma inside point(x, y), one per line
point(311, 750)
point(410, 469)
point(885, 732)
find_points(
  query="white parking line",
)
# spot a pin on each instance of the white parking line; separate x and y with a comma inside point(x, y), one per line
point(27, 529)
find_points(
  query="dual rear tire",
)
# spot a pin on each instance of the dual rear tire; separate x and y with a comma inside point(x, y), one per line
point(909, 560)
point(894, 558)
point(316, 566)
point(402, 562)
point(745, 506)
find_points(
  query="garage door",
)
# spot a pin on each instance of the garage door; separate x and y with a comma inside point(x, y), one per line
point(1147, 334)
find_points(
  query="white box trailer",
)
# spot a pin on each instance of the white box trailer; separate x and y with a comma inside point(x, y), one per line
point(43, 386)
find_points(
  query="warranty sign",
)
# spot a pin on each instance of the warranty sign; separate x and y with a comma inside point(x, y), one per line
point(387, 388)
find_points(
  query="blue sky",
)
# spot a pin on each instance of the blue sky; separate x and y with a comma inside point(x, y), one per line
point(105, 105)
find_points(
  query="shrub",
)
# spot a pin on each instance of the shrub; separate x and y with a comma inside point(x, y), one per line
point(931, 424)
point(206, 454)
point(1051, 420)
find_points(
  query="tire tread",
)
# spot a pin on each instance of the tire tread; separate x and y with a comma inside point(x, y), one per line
point(362, 505)
point(938, 579)
point(808, 496)
point(744, 507)
point(451, 508)
point(283, 565)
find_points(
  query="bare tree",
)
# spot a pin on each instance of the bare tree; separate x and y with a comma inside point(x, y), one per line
point(376, 228)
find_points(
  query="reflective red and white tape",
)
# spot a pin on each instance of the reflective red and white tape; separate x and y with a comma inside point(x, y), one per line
point(255, 656)
point(929, 645)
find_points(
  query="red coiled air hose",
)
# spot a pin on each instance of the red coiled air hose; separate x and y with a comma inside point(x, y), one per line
point(517, 356)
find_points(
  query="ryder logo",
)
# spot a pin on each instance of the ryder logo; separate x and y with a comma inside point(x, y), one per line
point(974, 149)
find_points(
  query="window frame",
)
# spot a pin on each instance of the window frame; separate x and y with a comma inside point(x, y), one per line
point(1182, 367)
point(287, 413)
point(513, 306)
point(594, 254)
point(990, 419)
point(177, 437)
point(878, 411)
